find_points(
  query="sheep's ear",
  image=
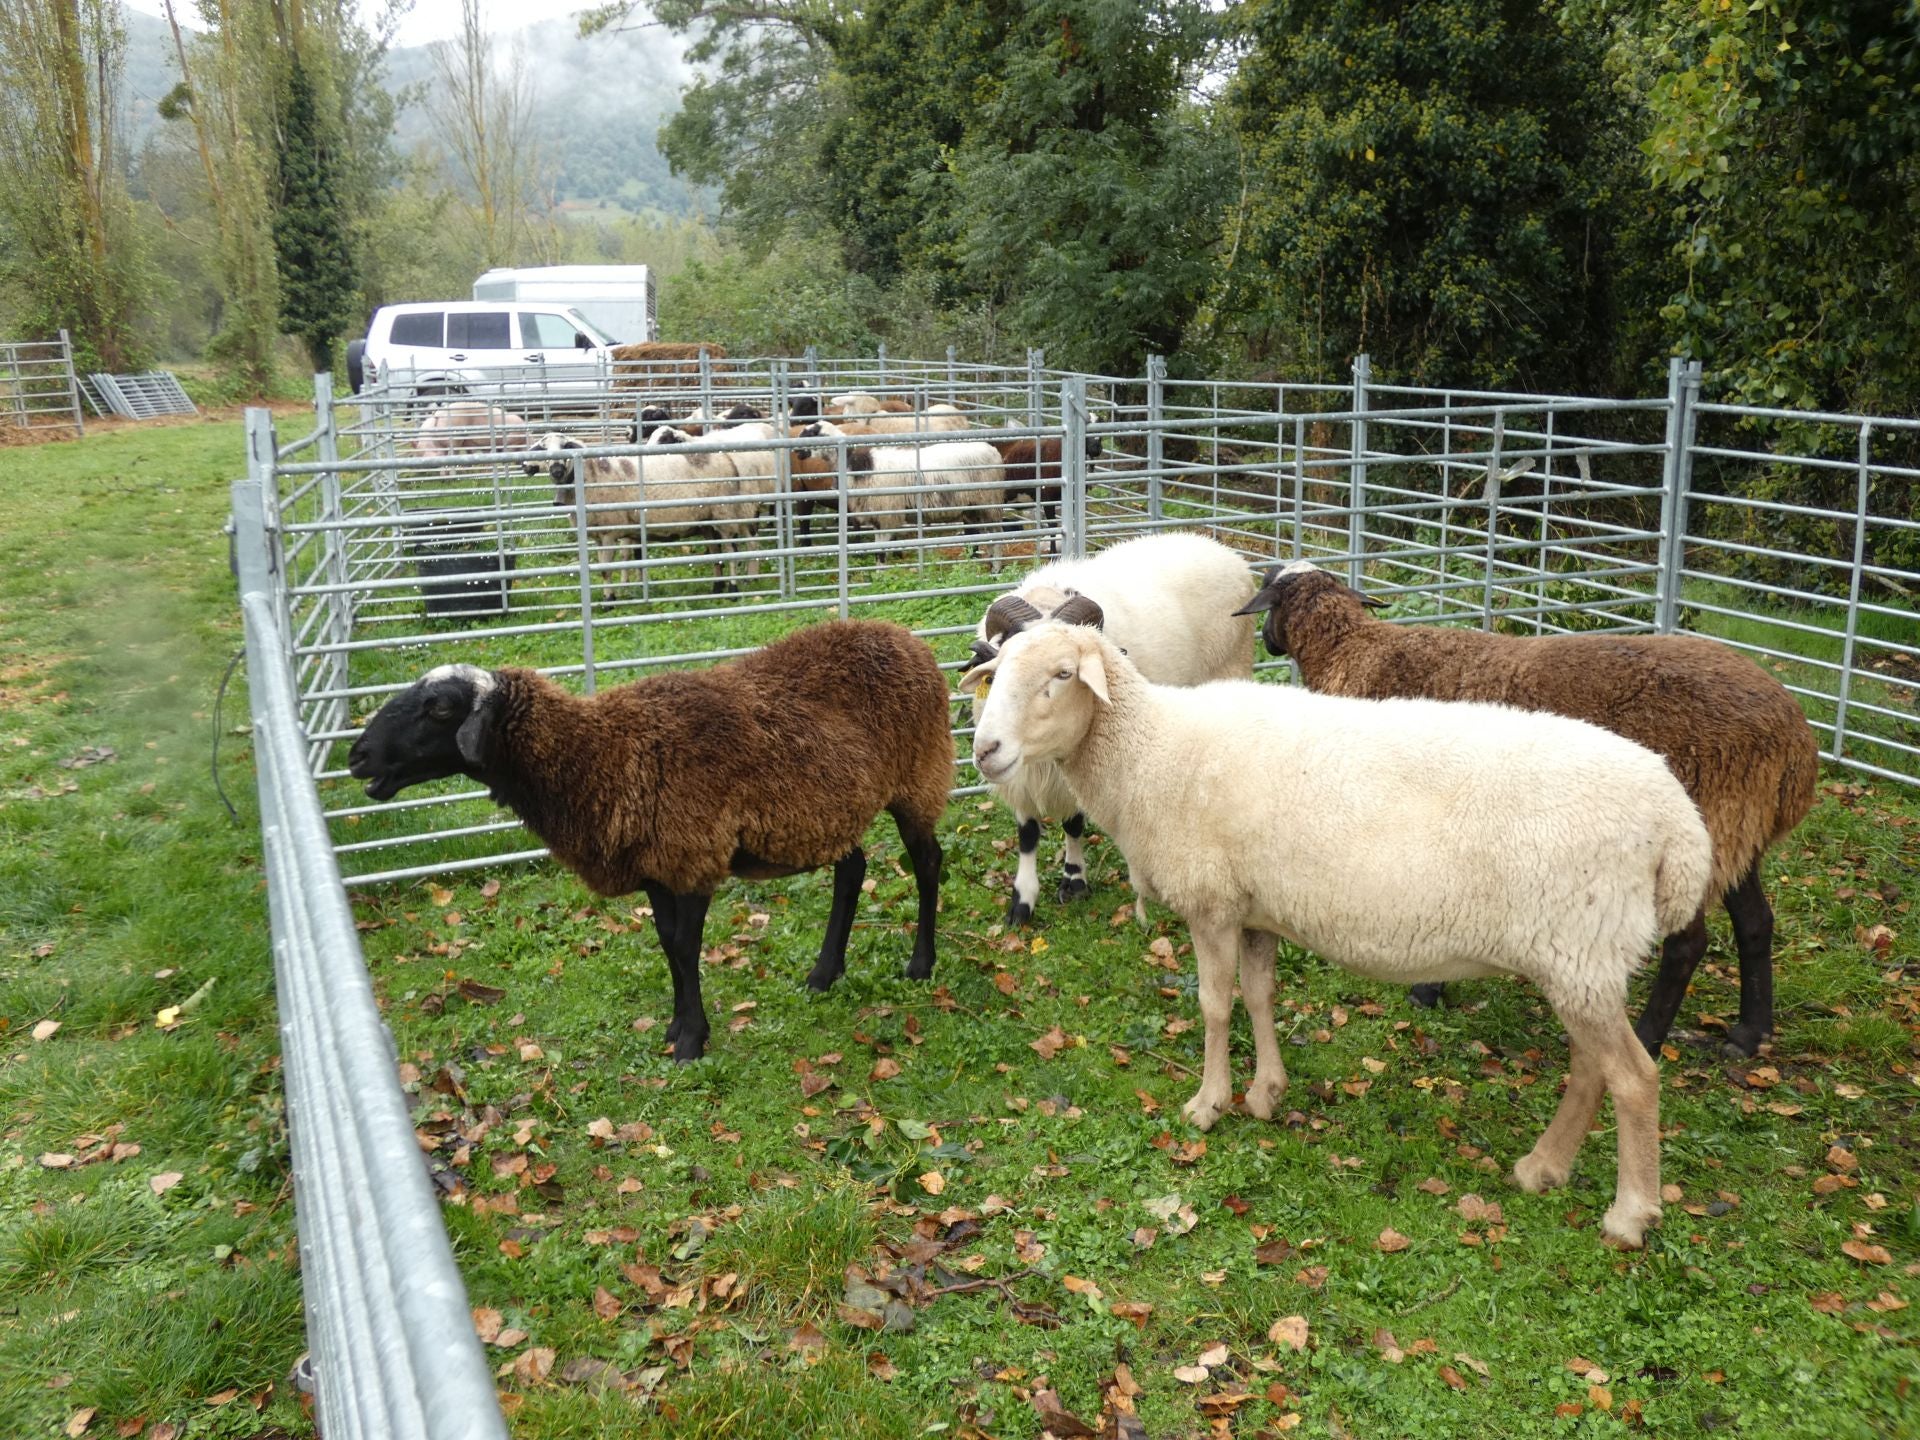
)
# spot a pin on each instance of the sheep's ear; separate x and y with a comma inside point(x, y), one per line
point(1093, 673)
point(1270, 595)
point(1372, 602)
point(474, 733)
point(976, 680)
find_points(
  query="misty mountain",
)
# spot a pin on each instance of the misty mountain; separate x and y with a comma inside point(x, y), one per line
point(598, 106)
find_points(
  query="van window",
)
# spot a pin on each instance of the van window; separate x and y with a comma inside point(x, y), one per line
point(478, 330)
point(549, 332)
point(418, 328)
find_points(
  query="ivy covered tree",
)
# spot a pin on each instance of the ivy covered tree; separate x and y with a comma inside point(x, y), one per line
point(1437, 183)
point(318, 291)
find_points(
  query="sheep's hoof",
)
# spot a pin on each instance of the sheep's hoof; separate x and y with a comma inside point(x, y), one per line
point(1427, 996)
point(1019, 912)
point(819, 979)
point(1625, 1226)
point(673, 1029)
point(1072, 887)
point(1264, 1096)
point(685, 1052)
point(1743, 1041)
point(920, 967)
point(1535, 1175)
point(1201, 1113)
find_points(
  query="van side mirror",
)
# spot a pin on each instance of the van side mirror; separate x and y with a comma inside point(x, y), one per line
point(581, 341)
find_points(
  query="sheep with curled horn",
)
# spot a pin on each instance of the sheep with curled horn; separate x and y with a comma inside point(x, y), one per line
point(1164, 599)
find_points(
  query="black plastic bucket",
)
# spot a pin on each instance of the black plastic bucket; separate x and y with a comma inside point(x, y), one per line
point(463, 570)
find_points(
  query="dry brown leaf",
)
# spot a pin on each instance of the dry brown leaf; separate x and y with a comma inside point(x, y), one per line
point(78, 1422)
point(1049, 1044)
point(885, 1068)
point(486, 1323)
point(1828, 1302)
point(532, 1366)
point(605, 1304)
point(1391, 1242)
point(1290, 1331)
point(46, 1030)
point(1453, 1377)
point(1866, 1254)
point(1213, 1355)
point(164, 1181)
point(933, 1182)
point(1190, 1374)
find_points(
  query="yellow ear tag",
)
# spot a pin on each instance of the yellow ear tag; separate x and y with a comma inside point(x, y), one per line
point(980, 690)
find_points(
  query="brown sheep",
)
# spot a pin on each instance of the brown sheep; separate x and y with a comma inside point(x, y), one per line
point(1033, 469)
point(1731, 733)
point(770, 765)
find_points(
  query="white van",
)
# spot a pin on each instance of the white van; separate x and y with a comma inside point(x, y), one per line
point(447, 345)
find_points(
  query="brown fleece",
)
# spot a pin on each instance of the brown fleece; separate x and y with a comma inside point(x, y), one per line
point(1731, 733)
point(640, 352)
point(1032, 465)
point(785, 756)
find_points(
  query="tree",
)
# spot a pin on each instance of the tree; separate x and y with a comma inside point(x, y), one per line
point(72, 255)
point(317, 285)
point(482, 113)
point(1432, 182)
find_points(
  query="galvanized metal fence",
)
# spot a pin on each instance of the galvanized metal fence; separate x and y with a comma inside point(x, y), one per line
point(393, 1348)
point(38, 389)
point(412, 526)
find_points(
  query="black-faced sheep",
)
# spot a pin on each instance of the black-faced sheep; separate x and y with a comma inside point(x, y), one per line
point(700, 491)
point(1404, 839)
point(1168, 601)
point(1732, 734)
point(770, 765)
point(1034, 470)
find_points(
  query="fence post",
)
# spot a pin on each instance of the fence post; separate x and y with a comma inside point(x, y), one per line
point(1156, 414)
point(1357, 471)
point(1683, 390)
point(880, 362)
point(1844, 691)
point(1073, 465)
point(586, 574)
point(780, 409)
point(706, 382)
point(1494, 480)
point(953, 390)
point(1036, 360)
point(73, 384)
point(339, 603)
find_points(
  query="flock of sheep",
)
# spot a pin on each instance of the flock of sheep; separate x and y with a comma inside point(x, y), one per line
point(1435, 804)
point(893, 463)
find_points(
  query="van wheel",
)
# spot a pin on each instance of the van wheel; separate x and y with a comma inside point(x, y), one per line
point(438, 390)
point(356, 365)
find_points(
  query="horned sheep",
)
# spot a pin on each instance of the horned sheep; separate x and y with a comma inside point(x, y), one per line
point(1403, 839)
point(1168, 601)
point(1734, 736)
point(770, 765)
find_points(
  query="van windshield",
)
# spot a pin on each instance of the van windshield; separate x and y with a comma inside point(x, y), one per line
point(593, 330)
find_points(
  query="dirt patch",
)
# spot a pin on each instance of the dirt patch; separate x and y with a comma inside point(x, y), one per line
point(14, 435)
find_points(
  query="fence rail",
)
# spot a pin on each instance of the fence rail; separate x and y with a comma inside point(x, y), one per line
point(371, 550)
point(38, 389)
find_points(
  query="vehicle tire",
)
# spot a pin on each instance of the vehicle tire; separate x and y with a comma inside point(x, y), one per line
point(439, 389)
point(356, 365)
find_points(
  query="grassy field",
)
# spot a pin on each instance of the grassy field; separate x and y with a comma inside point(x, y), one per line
point(894, 1209)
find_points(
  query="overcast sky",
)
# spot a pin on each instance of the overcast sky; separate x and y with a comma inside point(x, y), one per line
point(428, 19)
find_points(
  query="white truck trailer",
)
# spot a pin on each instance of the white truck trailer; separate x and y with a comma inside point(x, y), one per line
point(617, 298)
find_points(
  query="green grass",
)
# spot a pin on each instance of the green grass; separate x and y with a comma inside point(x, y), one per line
point(717, 1239)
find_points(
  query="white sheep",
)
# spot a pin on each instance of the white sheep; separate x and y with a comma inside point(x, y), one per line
point(1404, 839)
point(896, 417)
point(701, 491)
point(1168, 600)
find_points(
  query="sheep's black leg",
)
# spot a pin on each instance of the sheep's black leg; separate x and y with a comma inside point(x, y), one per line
point(1752, 919)
point(1073, 870)
point(924, 851)
point(664, 914)
point(1427, 996)
point(1026, 877)
point(848, 871)
point(689, 1011)
point(1679, 955)
point(804, 510)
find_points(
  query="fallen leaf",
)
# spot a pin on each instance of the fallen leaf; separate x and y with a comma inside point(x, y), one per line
point(78, 1422)
point(605, 1305)
point(1290, 1331)
point(1213, 1355)
point(532, 1366)
point(1388, 1347)
point(1886, 1302)
point(486, 1324)
point(1866, 1254)
point(164, 1181)
point(1049, 1044)
point(1433, 1185)
point(933, 1182)
point(1392, 1241)
point(1828, 1302)
point(56, 1160)
point(885, 1068)
point(222, 1397)
point(1190, 1374)
point(1472, 1209)
point(1135, 1310)
point(46, 1030)
point(1313, 1277)
point(1453, 1377)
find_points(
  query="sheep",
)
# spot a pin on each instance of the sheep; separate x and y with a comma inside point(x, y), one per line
point(896, 417)
point(1168, 601)
point(770, 765)
point(1403, 839)
point(468, 427)
point(700, 487)
point(1734, 736)
point(1034, 470)
point(951, 482)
